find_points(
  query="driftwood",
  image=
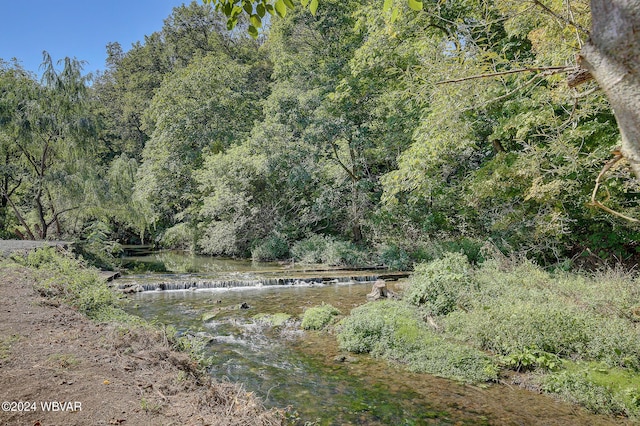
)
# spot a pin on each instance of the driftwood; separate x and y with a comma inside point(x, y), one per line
point(380, 291)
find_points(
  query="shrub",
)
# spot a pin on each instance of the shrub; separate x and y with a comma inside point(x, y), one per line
point(317, 317)
point(442, 285)
point(395, 331)
point(323, 249)
point(180, 236)
point(310, 250)
point(270, 248)
point(513, 326)
point(395, 258)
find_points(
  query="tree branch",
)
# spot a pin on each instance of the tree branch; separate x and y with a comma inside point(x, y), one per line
point(561, 18)
point(598, 204)
point(545, 70)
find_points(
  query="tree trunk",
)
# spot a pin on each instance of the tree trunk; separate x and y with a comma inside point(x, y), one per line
point(612, 55)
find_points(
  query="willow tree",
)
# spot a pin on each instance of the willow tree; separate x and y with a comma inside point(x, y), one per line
point(49, 135)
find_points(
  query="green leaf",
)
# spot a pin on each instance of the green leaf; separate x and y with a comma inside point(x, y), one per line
point(313, 7)
point(281, 9)
point(304, 3)
point(415, 5)
point(387, 5)
point(260, 10)
point(226, 9)
point(253, 31)
point(395, 14)
point(270, 9)
point(231, 23)
point(248, 7)
point(289, 4)
point(255, 21)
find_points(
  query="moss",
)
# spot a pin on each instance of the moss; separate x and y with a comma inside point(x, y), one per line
point(274, 320)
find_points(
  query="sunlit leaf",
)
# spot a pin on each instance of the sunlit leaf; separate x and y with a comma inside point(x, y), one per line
point(313, 7)
point(387, 5)
point(395, 14)
point(255, 21)
point(304, 3)
point(415, 5)
point(281, 8)
point(289, 4)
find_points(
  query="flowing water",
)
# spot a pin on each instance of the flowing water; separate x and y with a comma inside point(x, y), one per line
point(287, 367)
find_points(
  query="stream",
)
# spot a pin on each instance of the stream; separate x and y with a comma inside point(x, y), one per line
point(306, 371)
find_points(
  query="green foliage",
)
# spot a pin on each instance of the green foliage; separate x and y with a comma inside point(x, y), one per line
point(327, 250)
point(273, 247)
point(600, 390)
point(64, 277)
point(443, 285)
point(180, 236)
point(395, 331)
point(395, 258)
point(318, 317)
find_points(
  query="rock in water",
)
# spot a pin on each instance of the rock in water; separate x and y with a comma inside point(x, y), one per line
point(380, 291)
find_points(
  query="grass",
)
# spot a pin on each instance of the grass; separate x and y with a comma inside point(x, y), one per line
point(578, 333)
point(395, 331)
point(5, 345)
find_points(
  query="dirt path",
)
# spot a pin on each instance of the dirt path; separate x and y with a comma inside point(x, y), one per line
point(59, 368)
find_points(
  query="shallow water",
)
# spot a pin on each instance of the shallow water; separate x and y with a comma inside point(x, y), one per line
point(288, 367)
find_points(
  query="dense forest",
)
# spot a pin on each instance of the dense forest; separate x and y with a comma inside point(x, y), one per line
point(352, 136)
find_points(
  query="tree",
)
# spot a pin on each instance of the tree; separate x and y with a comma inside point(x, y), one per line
point(49, 133)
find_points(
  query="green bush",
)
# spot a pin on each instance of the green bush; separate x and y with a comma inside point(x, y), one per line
point(310, 250)
point(395, 258)
point(318, 317)
point(443, 285)
point(179, 237)
point(270, 248)
point(329, 251)
point(395, 331)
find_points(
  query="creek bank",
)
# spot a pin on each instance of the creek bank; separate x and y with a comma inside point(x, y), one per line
point(118, 374)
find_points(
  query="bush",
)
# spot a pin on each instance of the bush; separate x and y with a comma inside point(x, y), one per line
point(318, 317)
point(395, 258)
point(395, 331)
point(443, 285)
point(310, 250)
point(179, 237)
point(270, 248)
point(326, 250)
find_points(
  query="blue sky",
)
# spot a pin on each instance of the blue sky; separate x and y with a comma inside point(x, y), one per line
point(75, 28)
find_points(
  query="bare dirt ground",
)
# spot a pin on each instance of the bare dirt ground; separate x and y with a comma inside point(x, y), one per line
point(59, 368)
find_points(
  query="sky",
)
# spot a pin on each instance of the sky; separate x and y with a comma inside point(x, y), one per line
point(76, 28)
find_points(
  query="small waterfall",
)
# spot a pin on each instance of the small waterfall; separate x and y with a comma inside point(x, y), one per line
point(196, 284)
